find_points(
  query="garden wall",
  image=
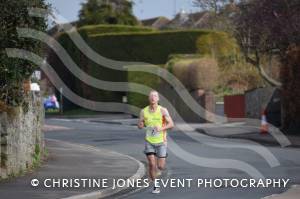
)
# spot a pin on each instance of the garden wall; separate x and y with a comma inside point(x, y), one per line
point(22, 139)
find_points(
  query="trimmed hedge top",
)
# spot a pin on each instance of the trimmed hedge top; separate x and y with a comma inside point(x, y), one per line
point(94, 30)
point(152, 47)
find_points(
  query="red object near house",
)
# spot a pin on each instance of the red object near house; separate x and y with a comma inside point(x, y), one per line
point(234, 108)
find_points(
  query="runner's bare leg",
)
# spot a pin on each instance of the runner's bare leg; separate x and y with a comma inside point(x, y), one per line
point(152, 166)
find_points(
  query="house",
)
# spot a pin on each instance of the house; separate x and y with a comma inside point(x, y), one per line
point(181, 20)
point(190, 20)
point(157, 22)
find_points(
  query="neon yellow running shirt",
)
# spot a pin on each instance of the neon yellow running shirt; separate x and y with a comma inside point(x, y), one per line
point(152, 119)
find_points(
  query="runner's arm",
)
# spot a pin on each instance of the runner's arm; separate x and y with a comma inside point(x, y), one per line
point(141, 120)
point(169, 121)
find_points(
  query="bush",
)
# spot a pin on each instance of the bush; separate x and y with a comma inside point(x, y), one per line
point(240, 77)
point(203, 74)
point(236, 76)
point(220, 46)
point(180, 70)
point(229, 79)
point(13, 72)
point(196, 73)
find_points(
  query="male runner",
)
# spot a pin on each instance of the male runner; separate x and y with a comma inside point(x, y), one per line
point(156, 120)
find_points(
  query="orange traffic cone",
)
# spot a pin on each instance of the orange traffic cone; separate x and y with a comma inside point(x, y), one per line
point(264, 128)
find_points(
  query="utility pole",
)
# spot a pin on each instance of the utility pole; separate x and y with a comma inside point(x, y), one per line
point(175, 7)
point(61, 100)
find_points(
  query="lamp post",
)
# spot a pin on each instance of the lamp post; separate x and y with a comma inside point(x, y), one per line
point(61, 100)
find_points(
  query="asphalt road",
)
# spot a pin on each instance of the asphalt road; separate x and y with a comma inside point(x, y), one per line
point(129, 140)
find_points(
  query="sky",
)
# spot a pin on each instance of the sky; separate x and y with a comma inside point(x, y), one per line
point(143, 9)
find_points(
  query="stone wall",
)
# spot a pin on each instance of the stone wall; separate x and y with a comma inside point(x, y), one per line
point(22, 139)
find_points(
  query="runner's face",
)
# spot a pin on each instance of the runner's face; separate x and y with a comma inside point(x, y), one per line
point(153, 98)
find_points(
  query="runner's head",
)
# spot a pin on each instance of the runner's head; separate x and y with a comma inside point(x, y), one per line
point(153, 97)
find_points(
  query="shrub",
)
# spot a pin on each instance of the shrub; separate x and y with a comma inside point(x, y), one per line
point(203, 74)
point(13, 72)
point(220, 46)
point(240, 77)
point(236, 75)
point(180, 70)
point(196, 73)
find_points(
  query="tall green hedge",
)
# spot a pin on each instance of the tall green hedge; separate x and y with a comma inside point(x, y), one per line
point(146, 79)
point(150, 47)
point(138, 45)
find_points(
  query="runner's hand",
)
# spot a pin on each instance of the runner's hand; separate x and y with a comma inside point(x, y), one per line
point(157, 128)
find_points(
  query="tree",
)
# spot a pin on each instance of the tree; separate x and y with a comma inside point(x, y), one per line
point(13, 72)
point(219, 45)
point(268, 27)
point(107, 12)
point(212, 5)
point(220, 13)
point(265, 28)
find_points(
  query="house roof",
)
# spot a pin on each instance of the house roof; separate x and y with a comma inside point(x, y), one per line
point(157, 22)
point(192, 20)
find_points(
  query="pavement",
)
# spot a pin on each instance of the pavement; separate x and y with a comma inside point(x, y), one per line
point(73, 161)
point(292, 193)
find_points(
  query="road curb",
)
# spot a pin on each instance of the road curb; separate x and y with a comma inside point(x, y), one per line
point(107, 192)
point(262, 141)
point(105, 122)
point(199, 130)
point(291, 193)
